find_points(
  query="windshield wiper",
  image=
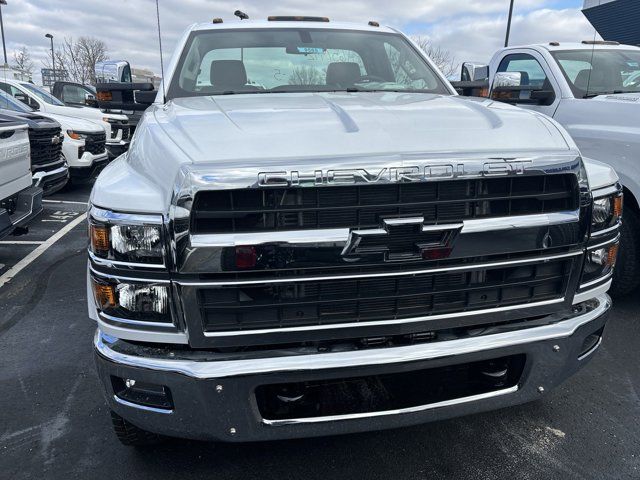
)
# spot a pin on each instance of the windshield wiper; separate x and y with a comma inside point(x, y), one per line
point(613, 92)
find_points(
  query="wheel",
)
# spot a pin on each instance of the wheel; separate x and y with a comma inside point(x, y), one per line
point(131, 435)
point(626, 276)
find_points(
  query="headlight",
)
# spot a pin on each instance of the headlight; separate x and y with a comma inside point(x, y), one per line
point(76, 135)
point(607, 211)
point(142, 302)
point(599, 263)
point(126, 238)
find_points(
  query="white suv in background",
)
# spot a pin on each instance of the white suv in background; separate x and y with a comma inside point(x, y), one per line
point(115, 126)
point(84, 145)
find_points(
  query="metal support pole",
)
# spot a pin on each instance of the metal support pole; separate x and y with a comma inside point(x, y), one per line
point(506, 40)
point(4, 47)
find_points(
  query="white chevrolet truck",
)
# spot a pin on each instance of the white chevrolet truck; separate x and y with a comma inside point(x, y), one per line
point(312, 234)
point(593, 90)
point(20, 201)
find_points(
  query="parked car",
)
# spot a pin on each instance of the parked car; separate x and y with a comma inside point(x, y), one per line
point(43, 101)
point(343, 246)
point(83, 148)
point(20, 200)
point(592, 89)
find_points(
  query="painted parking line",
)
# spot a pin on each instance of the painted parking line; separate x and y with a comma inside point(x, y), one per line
point(31, 257)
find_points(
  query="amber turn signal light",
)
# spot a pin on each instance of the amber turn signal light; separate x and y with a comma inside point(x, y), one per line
point(612, 254)
point(104, 96)
point(105, 295)
point(617, 206)
point(99, 236)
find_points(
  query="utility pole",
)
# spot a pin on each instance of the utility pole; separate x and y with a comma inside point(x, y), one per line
point(4, 47)
point(506, 40)
point(53, 57)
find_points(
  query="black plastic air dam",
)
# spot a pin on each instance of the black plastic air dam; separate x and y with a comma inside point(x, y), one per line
point(377, 393)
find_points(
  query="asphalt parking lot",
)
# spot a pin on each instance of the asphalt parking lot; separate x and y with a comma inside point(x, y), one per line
point(54, 423)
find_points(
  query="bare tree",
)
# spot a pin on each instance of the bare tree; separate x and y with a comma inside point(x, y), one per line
point(22, 60)
point(306, 75)
point(78, 58)
point(443, 59)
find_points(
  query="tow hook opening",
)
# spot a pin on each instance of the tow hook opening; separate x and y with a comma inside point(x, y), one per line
point(591, 344)
point(377, 393)
point(142, 393)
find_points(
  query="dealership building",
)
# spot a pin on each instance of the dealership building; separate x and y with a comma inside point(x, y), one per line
point(615, 20)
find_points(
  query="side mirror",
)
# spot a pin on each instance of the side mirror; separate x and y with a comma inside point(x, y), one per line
point(23, 98)
point(474, 72)
point(507, 87)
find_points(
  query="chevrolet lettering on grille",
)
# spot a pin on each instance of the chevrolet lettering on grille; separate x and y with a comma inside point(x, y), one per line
point(403, 239)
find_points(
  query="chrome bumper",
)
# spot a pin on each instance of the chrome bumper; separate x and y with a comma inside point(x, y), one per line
point(214, 399)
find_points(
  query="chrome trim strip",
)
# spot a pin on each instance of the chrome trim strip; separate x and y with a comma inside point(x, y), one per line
point(520, 221)
point(143, 335)
point(601, 233)
point(604, 244)
point(400, 411)
point(105, 262)
point(425, 318)
point(38, 177)
point(591, 350)
point(341, 235)
point(111, 318)
point(594, 292)
point(596, 281)
point(126, 279)
point(108, 216)
point(141, 407)
point(603, 192)
point(381, 274)
point(339, 360)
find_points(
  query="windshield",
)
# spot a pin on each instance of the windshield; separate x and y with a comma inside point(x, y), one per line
point(42, 94)
point(300, 60)
point(10, 103)
point(591, 73)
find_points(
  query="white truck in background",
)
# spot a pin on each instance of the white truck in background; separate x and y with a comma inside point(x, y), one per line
point(593, 90)
point(20, 202)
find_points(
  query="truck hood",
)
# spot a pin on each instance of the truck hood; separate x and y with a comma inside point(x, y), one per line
point(295, 125)
point(73, 123)
point(624, 98)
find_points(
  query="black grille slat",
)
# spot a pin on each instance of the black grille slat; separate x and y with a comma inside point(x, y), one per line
point(363, 206)
point(313, 303)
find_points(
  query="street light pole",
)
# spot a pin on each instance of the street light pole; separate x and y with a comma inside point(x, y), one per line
point(4, 47)
point(53, 57)
point(506, 39)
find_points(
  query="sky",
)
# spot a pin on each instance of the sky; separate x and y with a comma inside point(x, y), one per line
point(469, 29)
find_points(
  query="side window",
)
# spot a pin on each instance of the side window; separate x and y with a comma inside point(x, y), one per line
point(532, 72)
point(73, 94)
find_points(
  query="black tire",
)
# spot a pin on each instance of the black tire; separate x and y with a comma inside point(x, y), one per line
point(626, 276)
point(131, 435)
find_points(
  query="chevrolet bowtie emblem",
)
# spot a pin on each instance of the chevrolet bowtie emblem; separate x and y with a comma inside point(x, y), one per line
point(403, 239)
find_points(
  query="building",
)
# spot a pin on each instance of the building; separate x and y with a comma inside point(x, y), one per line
point(143, 75)
point(615, 20)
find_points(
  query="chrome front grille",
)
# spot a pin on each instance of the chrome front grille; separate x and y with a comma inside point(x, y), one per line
point(263, 266)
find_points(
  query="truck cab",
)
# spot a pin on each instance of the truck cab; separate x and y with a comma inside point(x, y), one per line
point(593, 90)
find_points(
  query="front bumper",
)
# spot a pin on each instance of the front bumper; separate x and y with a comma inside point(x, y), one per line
point(89, 172)
point(28, 206)
point(215, 399)
point(51, 180)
